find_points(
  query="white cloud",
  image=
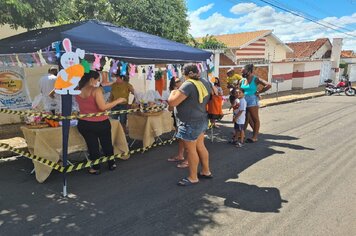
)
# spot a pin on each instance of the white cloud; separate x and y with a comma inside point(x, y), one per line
point(243, 8)
point(288, 27)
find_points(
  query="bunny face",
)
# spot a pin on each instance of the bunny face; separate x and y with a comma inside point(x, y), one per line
point(69, 59)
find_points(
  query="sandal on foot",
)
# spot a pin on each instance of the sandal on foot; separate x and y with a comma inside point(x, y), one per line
point(175, 159)
point(112, 167)
point(186, 182)
point(250, 140)
point(183, 165)
point(201, 176)
point(94, 172)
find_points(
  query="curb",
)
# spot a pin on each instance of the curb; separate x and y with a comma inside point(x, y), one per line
point(286, 101)
point(292, 100)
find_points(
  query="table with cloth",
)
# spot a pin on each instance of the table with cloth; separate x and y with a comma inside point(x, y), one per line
point(47, 143)
point(148, 127)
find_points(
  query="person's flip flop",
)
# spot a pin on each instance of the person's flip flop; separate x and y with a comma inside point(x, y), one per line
point(183, 165)
point(249, 140)
point(186, 182)
point(175, 159)
point(201, 176)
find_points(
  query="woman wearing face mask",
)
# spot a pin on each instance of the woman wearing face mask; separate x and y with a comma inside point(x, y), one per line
point(95, 129)
point(250, 84)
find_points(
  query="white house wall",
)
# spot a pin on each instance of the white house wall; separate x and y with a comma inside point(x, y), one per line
point(282, 71)
point(275, 51)
point(321, 51)
point(306, 74)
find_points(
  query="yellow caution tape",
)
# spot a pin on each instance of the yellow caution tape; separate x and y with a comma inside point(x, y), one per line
point(59, 117)
point(82, 165)
point(41, 160)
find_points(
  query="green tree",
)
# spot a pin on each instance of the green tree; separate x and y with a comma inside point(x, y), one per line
point(29, 14)
point(165, 18)
point(209, 42)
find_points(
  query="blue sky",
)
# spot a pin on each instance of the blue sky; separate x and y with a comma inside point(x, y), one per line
point(216, 17)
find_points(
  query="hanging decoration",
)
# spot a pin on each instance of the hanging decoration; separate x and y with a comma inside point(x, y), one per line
point(107, 65)
point(57, 46)
point(114, 67)
point(42, 60)
point(123, 70)
point(205, 66)
point(169, 71)
point(12, 61)
point(132, 70)
point(19, 63)
point(174, 74)
point(48, 54)
point(38, 63)
point(158, 75)
point(150, 73)
point(96, 64)
point(86, 65)
point(68, 78)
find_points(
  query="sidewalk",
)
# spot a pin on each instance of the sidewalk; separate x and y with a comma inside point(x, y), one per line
point(286, 97)
point(12, 135)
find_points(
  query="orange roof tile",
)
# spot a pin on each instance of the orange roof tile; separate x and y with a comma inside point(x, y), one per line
point(306, 49)
point(239, 39)
point(348, 54)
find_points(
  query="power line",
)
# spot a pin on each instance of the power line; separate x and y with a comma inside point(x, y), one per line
point(299, 15)
point(308, 15)
point(306, 18)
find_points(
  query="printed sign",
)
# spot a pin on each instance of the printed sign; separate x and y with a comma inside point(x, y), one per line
point(14, 93)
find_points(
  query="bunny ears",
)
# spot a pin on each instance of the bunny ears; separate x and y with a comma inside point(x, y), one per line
point(67, 45)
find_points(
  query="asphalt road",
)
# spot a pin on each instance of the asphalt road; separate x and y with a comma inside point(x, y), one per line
point(299, 179)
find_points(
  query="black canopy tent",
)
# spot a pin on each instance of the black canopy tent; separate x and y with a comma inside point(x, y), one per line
point(107, 39)
point(102, 38)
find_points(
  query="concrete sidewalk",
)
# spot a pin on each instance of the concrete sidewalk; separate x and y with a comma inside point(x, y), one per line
point(285, 97)
point(12, 135)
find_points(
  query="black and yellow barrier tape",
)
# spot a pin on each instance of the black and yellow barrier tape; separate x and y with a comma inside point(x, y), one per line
point(82, 165)
point(41, 160)
point(59, 117)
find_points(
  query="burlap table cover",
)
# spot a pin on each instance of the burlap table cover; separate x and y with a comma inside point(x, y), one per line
point(146, 128)
point(47, 143)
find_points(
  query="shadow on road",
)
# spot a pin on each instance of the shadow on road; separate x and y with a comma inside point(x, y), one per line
point(141, 196)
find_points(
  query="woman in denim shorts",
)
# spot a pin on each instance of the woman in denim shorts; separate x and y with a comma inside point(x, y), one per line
point(192, 121)
point(250, 84)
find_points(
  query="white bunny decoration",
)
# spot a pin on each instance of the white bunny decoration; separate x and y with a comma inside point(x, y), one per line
point(42, 60)
point(107, 65)
point(68, 78)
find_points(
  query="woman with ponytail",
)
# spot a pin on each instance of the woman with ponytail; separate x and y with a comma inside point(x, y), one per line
point(98, 128)
point(192, 121)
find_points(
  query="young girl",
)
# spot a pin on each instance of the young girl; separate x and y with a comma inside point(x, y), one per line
point(215, 104)
point(175, 84)
point(239, 119)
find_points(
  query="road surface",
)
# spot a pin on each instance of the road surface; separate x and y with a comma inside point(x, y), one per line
point(299, 179)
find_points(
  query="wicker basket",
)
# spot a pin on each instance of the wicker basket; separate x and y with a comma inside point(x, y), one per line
point(37, 126)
